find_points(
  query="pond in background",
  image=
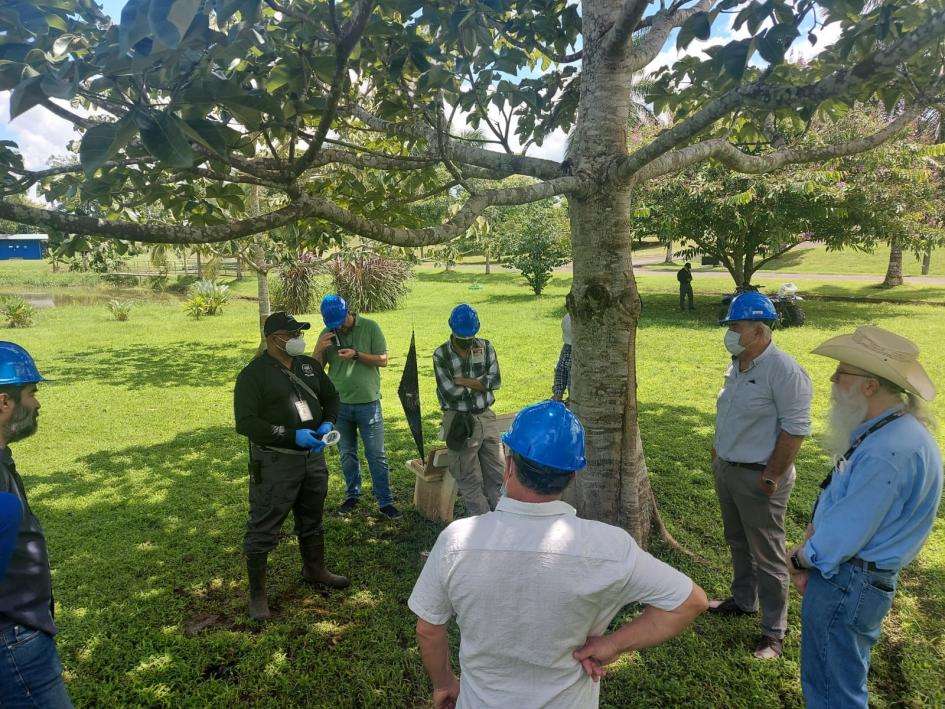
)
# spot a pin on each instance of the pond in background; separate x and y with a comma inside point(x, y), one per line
point(53, 300)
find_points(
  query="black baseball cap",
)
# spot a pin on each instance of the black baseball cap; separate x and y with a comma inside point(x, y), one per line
point(283, 321)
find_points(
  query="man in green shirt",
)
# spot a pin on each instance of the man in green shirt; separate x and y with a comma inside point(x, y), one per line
point(354, 350)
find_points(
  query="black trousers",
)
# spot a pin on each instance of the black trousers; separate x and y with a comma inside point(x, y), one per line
point(685, 291)
point(284, 483)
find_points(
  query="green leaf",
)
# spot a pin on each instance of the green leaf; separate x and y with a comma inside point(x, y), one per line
point(169, 19)
point(933, 151)
point(102, 141)
point(134, 25)
point(734, 56)
point(165, 140)
point(55, 87)
point(696, 27)
point(225, 9)
point(209, 134)
point(27, 94)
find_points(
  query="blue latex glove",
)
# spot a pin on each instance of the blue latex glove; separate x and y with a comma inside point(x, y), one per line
point(324, 428)
point(305, 438)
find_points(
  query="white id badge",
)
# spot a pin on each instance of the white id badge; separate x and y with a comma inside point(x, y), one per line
point(305, 413)
point(477, 355)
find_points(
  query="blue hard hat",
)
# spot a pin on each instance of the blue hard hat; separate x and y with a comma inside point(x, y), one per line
point(750, 306)
point(464, 322)
point(334, 311)
point(548, 433)
point(16, 366)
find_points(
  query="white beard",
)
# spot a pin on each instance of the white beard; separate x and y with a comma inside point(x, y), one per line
point(847, 411)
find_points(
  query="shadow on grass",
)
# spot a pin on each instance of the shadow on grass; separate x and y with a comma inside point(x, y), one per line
point(171, 365)
point(150, 574)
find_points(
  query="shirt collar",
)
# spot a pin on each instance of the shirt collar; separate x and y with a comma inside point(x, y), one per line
point(866, 424)
point(534, 509)
point(765, 353)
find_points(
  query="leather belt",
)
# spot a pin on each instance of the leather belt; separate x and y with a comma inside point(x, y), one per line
point(748, 466)
point(868, 565)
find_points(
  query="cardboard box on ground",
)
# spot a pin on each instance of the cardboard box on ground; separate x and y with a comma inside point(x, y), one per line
point(435, 490)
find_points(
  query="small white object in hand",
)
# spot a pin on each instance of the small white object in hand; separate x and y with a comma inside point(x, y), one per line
point(331, 438)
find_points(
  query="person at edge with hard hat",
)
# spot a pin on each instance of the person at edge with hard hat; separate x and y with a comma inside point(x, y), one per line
point(876, 510)
point(354, 350)
point(534, 587)
point(30, 670)
point(285, 404)
point(467, 374)
point(762, 417)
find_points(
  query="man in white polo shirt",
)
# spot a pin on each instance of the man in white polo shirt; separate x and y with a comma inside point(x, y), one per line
point(534, 587)
point(762, 417)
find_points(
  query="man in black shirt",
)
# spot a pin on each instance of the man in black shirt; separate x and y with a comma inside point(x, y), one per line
point(684, 276)
point(284, 404)
point(30, 671)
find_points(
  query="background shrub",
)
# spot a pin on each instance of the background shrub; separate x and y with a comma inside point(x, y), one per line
point(206, 298)
point(120, 309)
point(18, 312)
point(369, 282)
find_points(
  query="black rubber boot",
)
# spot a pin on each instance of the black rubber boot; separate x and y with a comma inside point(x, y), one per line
point(256, 569)
point(312, 549)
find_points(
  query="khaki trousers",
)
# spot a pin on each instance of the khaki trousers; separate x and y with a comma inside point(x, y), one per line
point(754, 530)
point(478, 467)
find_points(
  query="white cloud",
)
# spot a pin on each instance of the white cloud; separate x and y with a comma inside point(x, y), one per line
point(39, 133)
point(802, 49)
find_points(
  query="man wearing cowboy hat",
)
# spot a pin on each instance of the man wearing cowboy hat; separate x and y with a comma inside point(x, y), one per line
point(875, 512)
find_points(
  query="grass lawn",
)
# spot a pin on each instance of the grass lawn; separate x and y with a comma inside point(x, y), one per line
point(819, 260)
point(141, 483)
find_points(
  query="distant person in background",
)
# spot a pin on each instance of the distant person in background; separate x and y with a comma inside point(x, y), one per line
point(30, 669)
point(684, 276)
point(562, 378)
point(11, 513)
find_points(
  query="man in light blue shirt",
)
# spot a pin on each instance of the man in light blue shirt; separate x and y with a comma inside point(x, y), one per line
point(874, 514)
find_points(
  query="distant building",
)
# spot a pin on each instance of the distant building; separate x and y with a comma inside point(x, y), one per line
point(25, 246)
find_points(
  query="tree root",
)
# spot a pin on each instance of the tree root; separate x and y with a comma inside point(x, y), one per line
point(656, 521)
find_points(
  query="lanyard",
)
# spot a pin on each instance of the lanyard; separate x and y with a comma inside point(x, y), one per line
point(856, 444)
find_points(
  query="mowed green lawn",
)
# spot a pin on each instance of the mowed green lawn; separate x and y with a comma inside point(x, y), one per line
point(847, 261)
point(141, 484)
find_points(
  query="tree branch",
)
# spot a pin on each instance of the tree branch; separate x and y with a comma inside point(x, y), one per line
point(66, 114)
point(662, 24)
point(302, 206)
point(619, 34)
point(760, 94)
point(532, 44)
point(345, 47)
point(733, 158)
point(464, 154)
point(772, 257)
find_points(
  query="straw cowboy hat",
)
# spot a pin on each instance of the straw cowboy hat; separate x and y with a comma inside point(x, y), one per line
point(884, 354)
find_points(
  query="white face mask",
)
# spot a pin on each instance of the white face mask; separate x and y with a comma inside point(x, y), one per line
point(733, 342)
point(295, 346)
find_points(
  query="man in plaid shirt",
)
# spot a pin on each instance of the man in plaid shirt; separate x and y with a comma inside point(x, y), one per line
point(562, 378)
point(467, 372)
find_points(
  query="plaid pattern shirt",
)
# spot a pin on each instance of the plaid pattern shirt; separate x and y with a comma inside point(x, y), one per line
point(562, 372)
point(447, 366)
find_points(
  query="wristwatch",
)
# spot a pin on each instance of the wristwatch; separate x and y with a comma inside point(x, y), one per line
point(796, 562)
point(770, 481)
point(357, 355)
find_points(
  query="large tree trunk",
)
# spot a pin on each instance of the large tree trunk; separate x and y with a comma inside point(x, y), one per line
point(199, 266)
point(604, 303)
point(488, 262)
point(894, 270)
point(927, 261)
point(669, 253)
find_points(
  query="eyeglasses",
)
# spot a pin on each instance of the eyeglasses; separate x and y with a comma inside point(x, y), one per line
point(840, 372)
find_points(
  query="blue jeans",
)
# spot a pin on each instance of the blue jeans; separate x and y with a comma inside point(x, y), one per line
point(369, 421)
point(841, 618)
point(30, 671)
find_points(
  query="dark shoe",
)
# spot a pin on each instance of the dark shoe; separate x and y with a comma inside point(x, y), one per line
point(768, 648)
point(729, 607)
point(391, 512)
point(347, 507)
point(312, 549)
point(256, 570)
